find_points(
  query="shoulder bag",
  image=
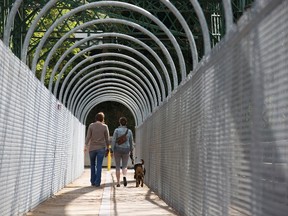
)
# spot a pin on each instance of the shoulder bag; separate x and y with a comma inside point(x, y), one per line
point(122, 139)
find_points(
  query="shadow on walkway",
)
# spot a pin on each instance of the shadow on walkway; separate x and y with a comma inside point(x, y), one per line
point(79, 199)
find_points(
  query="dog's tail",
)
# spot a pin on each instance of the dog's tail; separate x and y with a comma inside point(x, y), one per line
point(142, 161)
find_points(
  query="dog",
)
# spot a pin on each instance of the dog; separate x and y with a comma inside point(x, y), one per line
point(139, 173)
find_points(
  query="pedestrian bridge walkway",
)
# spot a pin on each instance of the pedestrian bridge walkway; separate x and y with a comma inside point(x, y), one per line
point(81, 199)
point(212, 133)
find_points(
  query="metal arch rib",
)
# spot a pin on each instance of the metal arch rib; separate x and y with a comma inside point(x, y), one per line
point(92, 85)
point(109, 98)
point(228, 15)
point(119, 91)
point(118, 62)
point(118, 46)
point(104, 98)
point(141, 96)
point(118, 87)
point(10, 21)
point(188, 33)
point(158, 59)
point(76, 105)
point(112, 3)
point(204, 26)
point(116, 94)
point(108, 20)
point(72, 94)
point(34, 23)
point(167, 3)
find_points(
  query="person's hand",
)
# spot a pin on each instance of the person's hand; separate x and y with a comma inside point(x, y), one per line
point(111, 152)
point(106, 152)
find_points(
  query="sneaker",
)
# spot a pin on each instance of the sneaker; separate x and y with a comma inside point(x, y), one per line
point(118, 185)
point(125, 181)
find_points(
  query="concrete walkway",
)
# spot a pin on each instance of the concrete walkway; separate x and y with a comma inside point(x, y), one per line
point(81, 199)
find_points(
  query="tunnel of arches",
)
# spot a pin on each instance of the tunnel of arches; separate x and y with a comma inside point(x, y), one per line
point(113, 111)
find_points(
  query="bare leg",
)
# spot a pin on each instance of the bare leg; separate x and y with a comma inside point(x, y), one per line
point(124, 171)
point(118, 176)
point(124, 167)
point(117, 158)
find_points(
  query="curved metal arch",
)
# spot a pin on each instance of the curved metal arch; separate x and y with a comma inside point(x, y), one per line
point(105, 98)
point(103, 69)
point(10, 21)
point(135, 89)
point(105, 55)
point(204, 26)
point(187, 31)
point(228, 15)
point(31, 29)
point(112, 3)
point(152, 52)
point(109, 20)
point(117, 88)
point(118, 46)
point(119, 95)
point(51, 3)
point(91, 86)
point(152, 99)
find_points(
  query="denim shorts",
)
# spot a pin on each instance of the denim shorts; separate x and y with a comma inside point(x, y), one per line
point(122, 150)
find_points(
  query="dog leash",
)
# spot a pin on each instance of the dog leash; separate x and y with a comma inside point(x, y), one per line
point(132, 158)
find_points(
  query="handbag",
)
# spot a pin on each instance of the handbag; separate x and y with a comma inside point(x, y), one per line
point(122, 139)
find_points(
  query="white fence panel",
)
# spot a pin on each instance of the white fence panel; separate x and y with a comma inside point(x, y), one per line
point(41, 142)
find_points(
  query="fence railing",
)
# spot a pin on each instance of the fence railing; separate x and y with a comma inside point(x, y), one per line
point(41, 142)
point(219, 143)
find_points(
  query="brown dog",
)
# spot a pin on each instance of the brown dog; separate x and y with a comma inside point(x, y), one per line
point(139, 173)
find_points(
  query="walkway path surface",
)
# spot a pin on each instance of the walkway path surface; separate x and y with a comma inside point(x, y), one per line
point(81, 199)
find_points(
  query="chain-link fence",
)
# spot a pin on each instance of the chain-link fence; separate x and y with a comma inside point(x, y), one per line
point(41, 142)
point(217, 146)
point(220, 144)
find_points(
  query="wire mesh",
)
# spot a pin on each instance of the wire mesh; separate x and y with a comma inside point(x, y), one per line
point(218, 146)
point(41, 142)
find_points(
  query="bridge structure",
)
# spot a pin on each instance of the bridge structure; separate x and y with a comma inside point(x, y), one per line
point(205, 81)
